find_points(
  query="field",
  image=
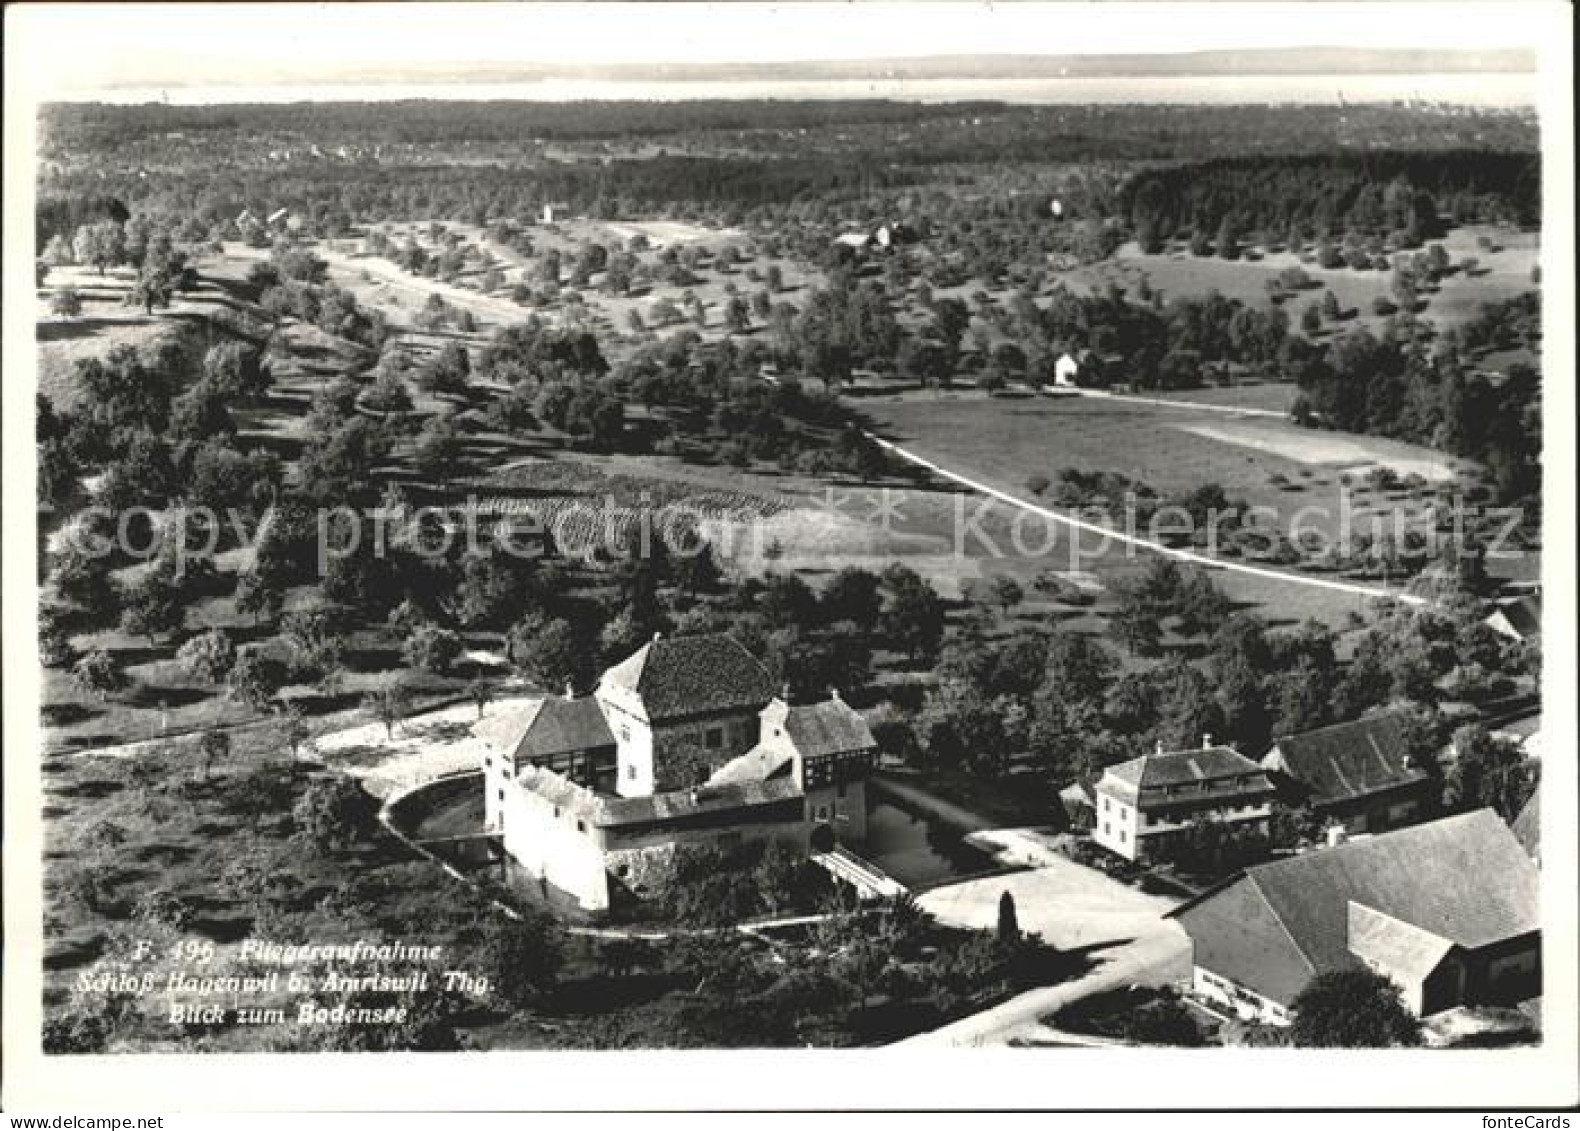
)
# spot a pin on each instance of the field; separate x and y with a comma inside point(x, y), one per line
point(1500, 273)
point(1267, 462)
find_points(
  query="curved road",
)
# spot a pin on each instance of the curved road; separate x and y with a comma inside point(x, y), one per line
point(1351, 587)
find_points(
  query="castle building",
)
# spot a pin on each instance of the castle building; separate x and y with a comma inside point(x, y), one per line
point(682, 743)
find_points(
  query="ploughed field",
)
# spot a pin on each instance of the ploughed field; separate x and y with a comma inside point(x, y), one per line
point(1294, 473)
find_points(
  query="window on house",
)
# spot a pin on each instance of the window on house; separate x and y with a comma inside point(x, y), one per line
point(501, 795)
point(713, 737)
point(581, 826)
point(630, 772)
point(841, 789)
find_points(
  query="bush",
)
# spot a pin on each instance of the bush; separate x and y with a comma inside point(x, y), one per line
point(334, 813)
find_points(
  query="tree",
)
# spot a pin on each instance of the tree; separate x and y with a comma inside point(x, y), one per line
point(65, 303)
point(102, 244)
point(98, 674)
point(432, 648)
point(1354, 1009)
point(1311, 319)
point(213, 746)
point(852, 595)
point(481, 692)
point(208, 656)
point(913, 616)
point(85, 581)
point(294, 731)
point(439, 451)
point(237, 371)
point(54, 636)
point(449, 371)
point(1137, 629)
point(1008, 593)
point(520, 957)
point(1162, 1021)
point(153, 607)
point(545, 650)
point(334, 812)
point(254, 679)
point(388, 703)
point(1330, 306)
point(1008, 924)
point(1488, 771)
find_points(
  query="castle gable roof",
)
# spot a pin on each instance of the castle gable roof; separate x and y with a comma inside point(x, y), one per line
point(560, 726)
point(682, 676)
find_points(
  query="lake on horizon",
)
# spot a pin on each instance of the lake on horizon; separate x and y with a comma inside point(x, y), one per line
point(1498, 90)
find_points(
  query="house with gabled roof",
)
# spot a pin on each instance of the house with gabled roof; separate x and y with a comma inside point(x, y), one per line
point(1527, 827)
point(1449, 910)
point(1147, 803)
point(682, 743)
point(1518, 619)
point(1358, 774)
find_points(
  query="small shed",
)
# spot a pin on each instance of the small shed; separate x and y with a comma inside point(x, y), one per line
point(1065, 371)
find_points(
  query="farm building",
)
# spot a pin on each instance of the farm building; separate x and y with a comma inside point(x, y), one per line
point(1358, 773)
point(1519, 619)
point(1527, 827)
point(682, 743)
point(1448, 910)
point(1146, 803)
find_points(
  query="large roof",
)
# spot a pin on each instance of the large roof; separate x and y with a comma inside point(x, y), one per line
point(1528, 826)
point(829, 727)
point(680, 676)
point(1464, 879)
point(1209, 775)
point(1349, 760)
point(560, 726)
point(1524, 615)
point(1399, 949)
point(604, 811)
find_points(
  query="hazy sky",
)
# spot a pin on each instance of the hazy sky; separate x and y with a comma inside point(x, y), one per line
point(135, 44)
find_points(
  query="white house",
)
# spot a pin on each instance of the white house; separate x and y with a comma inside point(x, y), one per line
point(1145, 803)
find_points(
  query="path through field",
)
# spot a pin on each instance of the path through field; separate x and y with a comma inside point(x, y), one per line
point(1351, 587)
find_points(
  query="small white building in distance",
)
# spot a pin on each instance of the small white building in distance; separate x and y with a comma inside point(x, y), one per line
point(1065, 371)
point(1145, 803)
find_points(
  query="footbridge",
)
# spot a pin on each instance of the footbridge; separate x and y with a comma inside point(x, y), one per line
point(863, 875)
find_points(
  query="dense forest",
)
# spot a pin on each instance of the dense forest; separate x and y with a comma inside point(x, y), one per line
point(1330, 195)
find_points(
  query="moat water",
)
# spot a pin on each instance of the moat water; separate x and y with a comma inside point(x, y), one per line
point(918, 850)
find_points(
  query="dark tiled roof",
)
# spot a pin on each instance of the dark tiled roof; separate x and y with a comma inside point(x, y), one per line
point(693, 675)
point(829, 727)
point(1528, 826)
point(1206, 776)
point(560, 726)
point(1349, 760)
point(1524, 615)
point(1465, 879)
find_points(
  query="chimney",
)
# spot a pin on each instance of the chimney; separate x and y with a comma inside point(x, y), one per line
point(570, 690)
point(833, 693)
point(657, 636)
point(1206, 742)
point(1336, 835)
point(1159, 747)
